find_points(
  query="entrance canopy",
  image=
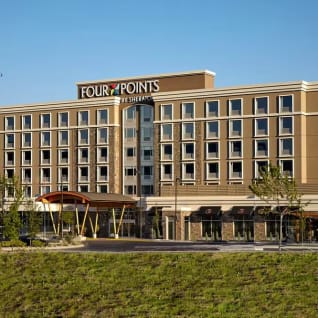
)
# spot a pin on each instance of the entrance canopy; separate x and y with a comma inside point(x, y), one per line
point(106, 200)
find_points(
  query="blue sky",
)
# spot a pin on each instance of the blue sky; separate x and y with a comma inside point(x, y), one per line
point(48, 46)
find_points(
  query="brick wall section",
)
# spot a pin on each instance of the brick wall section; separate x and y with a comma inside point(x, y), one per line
point(227, 231)
point(259, 231)
point(195, 231)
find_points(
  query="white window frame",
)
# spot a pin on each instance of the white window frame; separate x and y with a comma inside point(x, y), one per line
point(24, 180)
point(256, 155)
point(280, 97)
point(281, 125)
point(42, 175)
point(230, 110)
point(42, 138)
point(184, 145)
point(256, 112)
point(24, 124)
point(230, 169)
point(80, 122)
point(162, 107)
point(162, 171)
point(99, 177)
point(207, 170)
point(256, 167)
point(231, 128)
point(184, 173)
point(163, 158)
point(80, 157)
point(79, 137)
point(61, 123)
point(60, 175)
point(255, 126)
point(133, 109)
point(7, 127)
point(7, 163)
point(61, 143)
point(184, 131)
point(83, 185)
point(231, 150)
point(207, 130)
point(99, 118)
point(23, 143)
point(99, 149)
point(207, 150)
point(162, 136)
point(207, 113)
point(184, 105)
point(9, 145)
point(80, 177)
point(42, 120)
point(61, 162)
point(99, 141)
point(281, 140)
point(23, 161)
point(42, 159)
point(281, 165)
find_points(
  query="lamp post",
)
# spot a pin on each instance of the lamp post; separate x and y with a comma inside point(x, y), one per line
point(175, 205)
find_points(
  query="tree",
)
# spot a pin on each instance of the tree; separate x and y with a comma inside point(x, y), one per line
point(34, 220)
point(274, 187)
point(12, 195)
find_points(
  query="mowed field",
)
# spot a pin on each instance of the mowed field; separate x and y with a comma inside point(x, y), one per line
point(55, 284)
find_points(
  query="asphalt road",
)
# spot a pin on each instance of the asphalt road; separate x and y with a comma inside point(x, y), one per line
point(122, 246)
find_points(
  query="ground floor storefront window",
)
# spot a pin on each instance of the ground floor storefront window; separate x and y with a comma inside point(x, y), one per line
point(211, 227)
point(244, 227)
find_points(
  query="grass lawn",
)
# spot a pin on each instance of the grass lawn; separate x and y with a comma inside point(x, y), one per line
point(35, 284)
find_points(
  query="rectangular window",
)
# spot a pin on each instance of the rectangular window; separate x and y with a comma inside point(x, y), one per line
point(26, 175)
point(83, 188)
point(102, 188)
point(166, 152)
point(235, 128)
point(83, 136)
point(212, 150)
point(287, 167)
point(63, 156)
point(63, 138)
point(63, 119)
point(102, 154)
point(235, 107)
point(26, 140)
point(166, 172)
point(83, 155)
point(9, 173)
point(212, 108)
point(166, 132)
point(102, 174)
point(130, 152)
point(212, 170)
point(286, 104)
point(188, 151)
point(261, 105)
point(236, 170)
point(83, 118)
point(45, 175)
point(45, 138)
point(130, 171)
point(63, 175)
point(26, 157)
point(130, 113)
point(9, 140)
point(261, 127)
point(147, 189)
point(261, 148)
point(212, 129)
point(102, 135)
point(188, 131)
point(286, 125)
point(166, 112)
point(9, 158)
point(83, 174)
point(45, 120)
point(146, 133)
point(188, 110)
point(9, 123)
point(147, 154)
point(147, 172)
point(259, 166)
point(102, 116)
point(188, 171)
point(26, 122)
point(235, 149)
point(286, 147)
point(146, 114)
point(45, 157)
point(130, 133)
point(45, 189)
point(130, 189)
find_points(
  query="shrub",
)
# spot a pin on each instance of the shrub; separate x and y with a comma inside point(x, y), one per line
point(13, 243)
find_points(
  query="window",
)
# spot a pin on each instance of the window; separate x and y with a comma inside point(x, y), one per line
point(146, 133)
point(45, 175)
point(63, 138)
point(130, 171)
point(188, 110)
point(286, 125)
point(83, 118)
point(166, 112)
point(63, 119)
point(166, 152)
point(147, 172)
point(146, 114)
point(287, 167)
point(26, 122)
point(147, 154)
point(63, 156)
point(26, 157)
point(235, 149)
point(235, 107)
point(83, 188)
point(212, 108)
point(83, 136)
point(212, 170)
point(63, 174)
point(9, 123)
point(83, 155)
point(235, 128)
point(102, 116)
point(286, 104)
point(9, 173)
point(45, 138)
point(286, 147)
point(259, 166)
point(261, 126)
point(45, 120)
point(147, 189)
point(188, 131)
point(83, 174)
point(102, 135)
point(188, 171)
point(102, 154)
point(45, 189)
point(261, 105)
point(212, 129)
point(166, 132)
point(212, 150)
point(130, 152)
point(188, 151)
point(9, 158)
point(26, 175)
point(166, 172)
point(130, 113)
point(26, 140)
point(130, 189)
point(130, 133)
point(9, 140)
point(102, 188)
point(45, 156)
point(261, 148)
point(235, 170)
point(102, 173)
point(27, 191)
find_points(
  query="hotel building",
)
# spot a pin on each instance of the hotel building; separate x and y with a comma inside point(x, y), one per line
point(187, 151)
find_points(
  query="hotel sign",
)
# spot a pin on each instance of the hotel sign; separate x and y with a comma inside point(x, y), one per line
point(120, 89)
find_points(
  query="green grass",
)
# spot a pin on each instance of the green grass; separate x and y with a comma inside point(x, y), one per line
point(34, 284)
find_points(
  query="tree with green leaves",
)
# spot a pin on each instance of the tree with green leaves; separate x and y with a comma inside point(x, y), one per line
point(11, 198)
point(33, 219)
point(279, 189)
